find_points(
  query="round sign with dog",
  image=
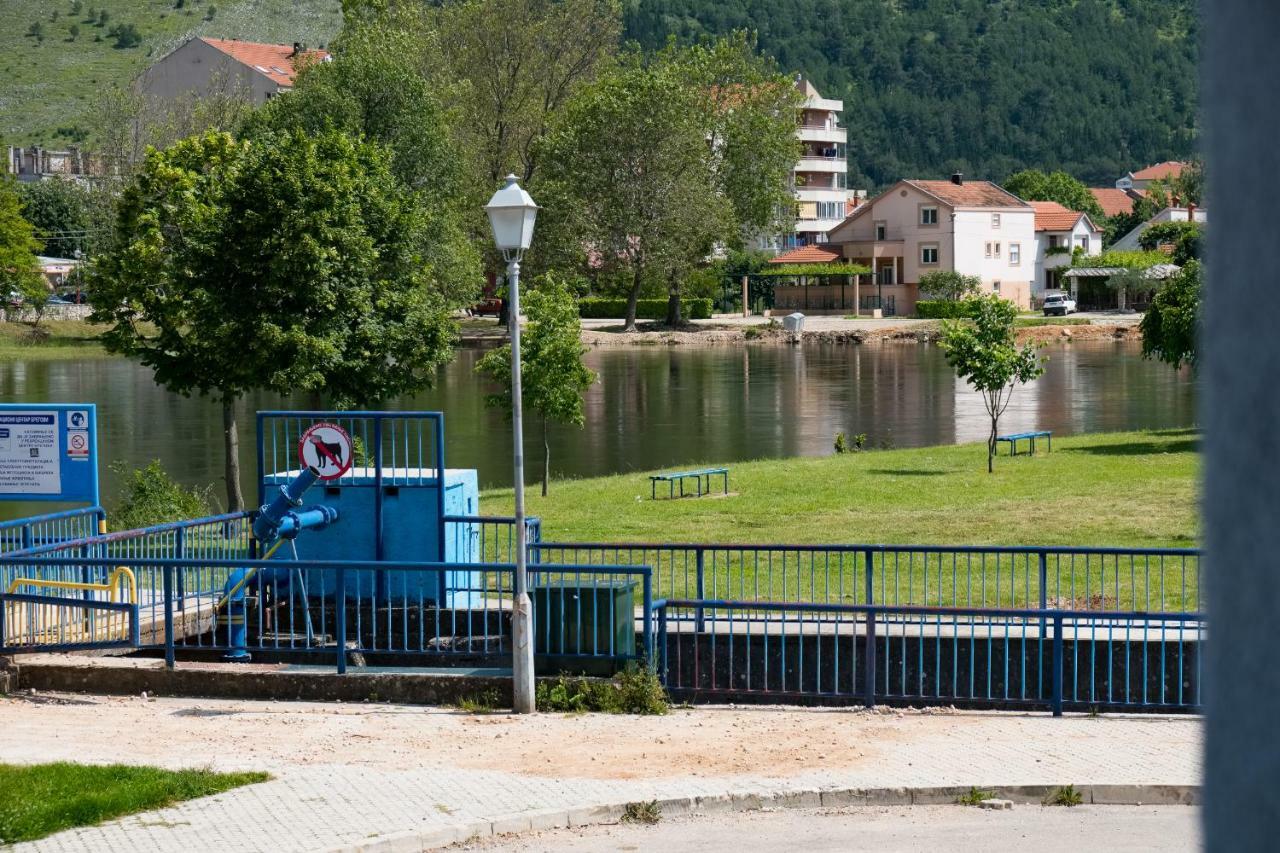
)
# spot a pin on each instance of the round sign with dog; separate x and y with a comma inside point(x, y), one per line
point(326, 448)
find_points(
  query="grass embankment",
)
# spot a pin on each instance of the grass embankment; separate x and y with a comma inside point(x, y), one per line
point(41, 799)
point(53, 339)
point(1122, 489)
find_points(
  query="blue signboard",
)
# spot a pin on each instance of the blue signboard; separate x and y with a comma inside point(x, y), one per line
point(49, 452)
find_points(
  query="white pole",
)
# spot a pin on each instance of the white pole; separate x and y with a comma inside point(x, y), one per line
point(522, 607)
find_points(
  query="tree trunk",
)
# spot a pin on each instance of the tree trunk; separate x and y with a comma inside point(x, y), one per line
point(546, 458)
point(231, 446)
point(634, 295)
point(673, 304)
point(991, 444)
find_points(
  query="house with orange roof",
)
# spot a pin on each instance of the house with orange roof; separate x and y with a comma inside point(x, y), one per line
point(1142, 178)
point(1060, 231)
point(206, 66)
point(917, 226)
point(1115, 202)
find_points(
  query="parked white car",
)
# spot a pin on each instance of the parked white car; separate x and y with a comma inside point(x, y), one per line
point(1059, 304)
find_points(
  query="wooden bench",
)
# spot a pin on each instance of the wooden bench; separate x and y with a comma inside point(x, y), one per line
point(1014, 438)
point(671, 478)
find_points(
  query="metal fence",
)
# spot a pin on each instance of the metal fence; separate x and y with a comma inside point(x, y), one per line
point(51, 528)
point(1004, 656)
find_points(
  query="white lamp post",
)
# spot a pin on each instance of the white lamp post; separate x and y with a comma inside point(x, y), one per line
point(511, 215)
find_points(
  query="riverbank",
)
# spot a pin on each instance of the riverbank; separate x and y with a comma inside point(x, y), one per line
point(52, 340)
point(1131, 489)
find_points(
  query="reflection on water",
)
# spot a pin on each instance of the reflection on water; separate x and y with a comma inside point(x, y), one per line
point(658, 406)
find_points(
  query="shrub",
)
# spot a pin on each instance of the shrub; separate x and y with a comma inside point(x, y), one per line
point(946, 309)
point(1067, 796)
point(152, 497)
point(636, 690)
point(949, 284)
point(596, 308)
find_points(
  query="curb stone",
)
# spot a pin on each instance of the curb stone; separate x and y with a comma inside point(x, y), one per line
point(609, 813)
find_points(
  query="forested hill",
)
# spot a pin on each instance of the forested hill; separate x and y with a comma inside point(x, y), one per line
point(985, 87)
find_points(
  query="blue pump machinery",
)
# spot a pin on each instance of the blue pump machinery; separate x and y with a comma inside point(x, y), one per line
point(277, 522)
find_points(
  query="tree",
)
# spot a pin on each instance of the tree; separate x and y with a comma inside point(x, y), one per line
point(74, 32)
point(984, 353)
point(949, 285)
point(19, 269)
point(292, 262)
point(61, 212)
point(1035, 185)
point(1170, 328)
point(553, 377)
point(36, 30)
point(1185, 238)
point(126, 36)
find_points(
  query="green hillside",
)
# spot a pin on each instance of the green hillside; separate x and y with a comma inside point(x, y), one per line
point(50, 82)
point(986, 87)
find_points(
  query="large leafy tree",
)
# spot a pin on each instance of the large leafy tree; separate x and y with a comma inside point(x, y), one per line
point(19, 268)
point(949, 284)
point(984, 353)
point(1170, 327)
point(62, 213)
point(290, 262)
point(1035, 185)
point(553, 377)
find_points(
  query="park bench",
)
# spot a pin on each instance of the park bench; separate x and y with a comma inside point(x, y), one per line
point(671, 478)
point(1014, 438)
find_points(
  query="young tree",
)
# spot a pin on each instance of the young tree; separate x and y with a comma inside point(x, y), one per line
point(949, 285)
point(19, 269)
point(1170, 328)
point(984, 353)
point(1035, 185)
point(553, 376)
point(291, 262)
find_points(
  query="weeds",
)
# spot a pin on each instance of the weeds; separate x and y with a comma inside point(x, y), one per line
point(484, 702)
point(1067, 795)
point(635, 690)
point(973, 797)
point(647, 813)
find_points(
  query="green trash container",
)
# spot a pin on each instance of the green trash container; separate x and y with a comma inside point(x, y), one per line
point(595, 618)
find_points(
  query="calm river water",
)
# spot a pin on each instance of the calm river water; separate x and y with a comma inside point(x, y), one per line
point(658, 406)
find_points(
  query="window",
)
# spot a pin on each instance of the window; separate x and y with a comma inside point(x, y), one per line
point(829, 210)
point(928, 216)
point(929, 255)
point(995, 285)
point(997, 247)
point(1053, 241)
point(1084, 243)
point(995, 220)
point(987, 251)
point(881, 230)
point(1015, 254)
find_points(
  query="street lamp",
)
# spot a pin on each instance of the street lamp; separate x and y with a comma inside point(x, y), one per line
point(511, 215)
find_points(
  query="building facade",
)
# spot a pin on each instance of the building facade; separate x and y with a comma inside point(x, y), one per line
point(207, 66)
point(1060, 231)
point(972, 227)
point(820, 178)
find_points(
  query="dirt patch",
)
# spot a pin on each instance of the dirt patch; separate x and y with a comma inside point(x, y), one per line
point(1063, 334)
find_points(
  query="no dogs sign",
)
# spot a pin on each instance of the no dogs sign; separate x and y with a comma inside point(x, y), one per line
point(327, 448)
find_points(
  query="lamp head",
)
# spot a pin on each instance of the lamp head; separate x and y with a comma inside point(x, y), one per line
point(511, 216)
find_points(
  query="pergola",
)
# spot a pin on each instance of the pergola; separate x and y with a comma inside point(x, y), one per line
point(815, 264)
point(1155, 272)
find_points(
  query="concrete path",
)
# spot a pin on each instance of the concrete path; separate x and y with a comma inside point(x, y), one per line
point(391, 777)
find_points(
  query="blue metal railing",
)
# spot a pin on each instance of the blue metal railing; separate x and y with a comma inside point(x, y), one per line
point(51, 528)
point(1017, 657)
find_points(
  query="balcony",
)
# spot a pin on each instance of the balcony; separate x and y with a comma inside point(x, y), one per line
point(892, 246)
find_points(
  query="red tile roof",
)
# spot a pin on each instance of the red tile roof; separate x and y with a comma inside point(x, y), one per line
point(969, 193)
point(1051, 216)
point(276, 61)
point(806, 255)
point(1113, 202)
point(1167, 169)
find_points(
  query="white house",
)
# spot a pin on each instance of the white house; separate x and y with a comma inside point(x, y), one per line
point(1131, 241)
point(1142, 178)
point(1059, 232)
point(972, 227)
point(206, 66)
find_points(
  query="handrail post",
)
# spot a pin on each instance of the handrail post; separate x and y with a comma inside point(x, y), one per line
point(1057, 665)
point(170, 658)
point(662, 643)
point(702, 589)
point(870, 639)
point(1044, 582)
point(648, 616)
point(180, 552)
point(340, 604)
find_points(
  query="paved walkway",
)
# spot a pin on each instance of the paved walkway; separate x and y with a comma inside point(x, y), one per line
point(376, 776)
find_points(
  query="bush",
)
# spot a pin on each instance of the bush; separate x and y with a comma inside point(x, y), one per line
point(945, 309)
point(636, 690)
point(646, 309)
point(152, 497)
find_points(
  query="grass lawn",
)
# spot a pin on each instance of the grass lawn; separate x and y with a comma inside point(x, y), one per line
point(41, 799)
point(66, 339)
point(1136, 489)
point(1028, 322)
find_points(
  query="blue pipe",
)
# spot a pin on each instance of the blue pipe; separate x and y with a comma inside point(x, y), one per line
point(267, 525)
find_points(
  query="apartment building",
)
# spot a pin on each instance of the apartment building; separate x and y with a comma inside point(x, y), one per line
point(972, 227)
point(820, 177)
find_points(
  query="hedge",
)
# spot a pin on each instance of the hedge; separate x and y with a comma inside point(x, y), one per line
point(646, 309)
point(944, 309)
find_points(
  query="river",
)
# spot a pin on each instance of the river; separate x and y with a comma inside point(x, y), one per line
point(656, 406)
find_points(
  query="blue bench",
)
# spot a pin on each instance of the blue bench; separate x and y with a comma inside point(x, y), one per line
point(673, 477)
point(1014, 438)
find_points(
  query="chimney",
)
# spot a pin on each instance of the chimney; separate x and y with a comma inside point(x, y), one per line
point(297, 48)
point(957, 178)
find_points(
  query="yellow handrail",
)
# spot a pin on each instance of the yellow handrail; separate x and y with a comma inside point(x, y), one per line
point(110, 587)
